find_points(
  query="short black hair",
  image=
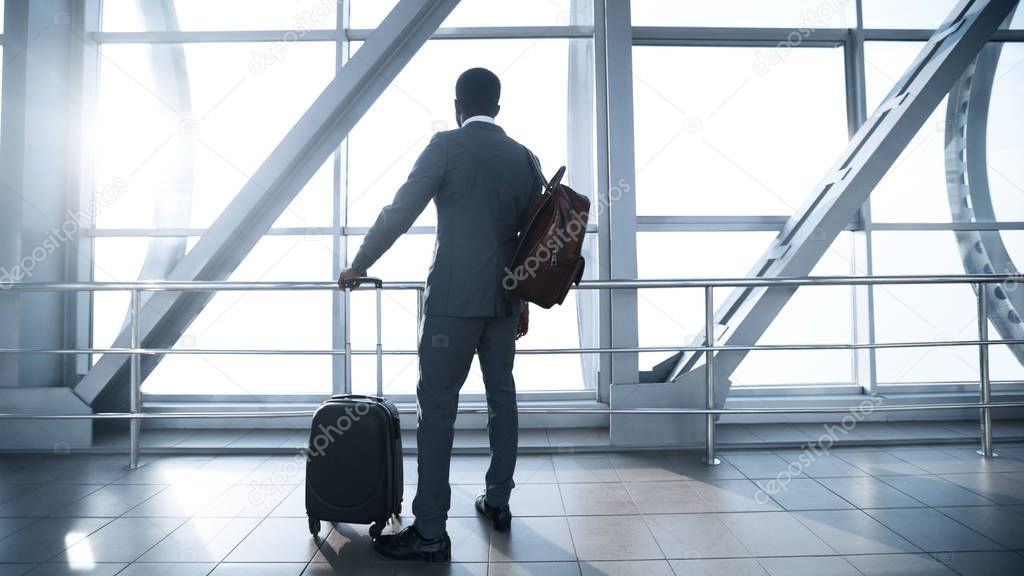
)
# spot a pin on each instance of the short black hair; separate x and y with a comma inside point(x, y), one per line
point(478, 90)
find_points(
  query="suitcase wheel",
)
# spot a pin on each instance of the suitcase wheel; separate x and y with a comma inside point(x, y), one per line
point(314, 526)
point(376, 528)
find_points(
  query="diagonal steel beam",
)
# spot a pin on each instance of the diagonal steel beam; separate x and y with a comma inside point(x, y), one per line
point(272, 187)
point(747, 313)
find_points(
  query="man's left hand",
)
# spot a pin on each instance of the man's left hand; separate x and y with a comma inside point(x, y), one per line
point(524, 322)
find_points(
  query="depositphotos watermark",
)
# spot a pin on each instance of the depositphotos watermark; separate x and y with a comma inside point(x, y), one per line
point(822, 446)
point(573, 231)
point(809, 22)
point(325, 436)
point(1014, 280)
point(316, 17)
point(61, 235)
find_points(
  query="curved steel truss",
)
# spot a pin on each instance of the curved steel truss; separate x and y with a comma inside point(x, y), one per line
point(970, 200)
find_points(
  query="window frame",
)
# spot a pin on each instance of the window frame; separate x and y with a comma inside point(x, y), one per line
point(606, 39)
point(343, 36)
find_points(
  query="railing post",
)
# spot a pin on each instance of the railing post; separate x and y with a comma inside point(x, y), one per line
point(135, 424)
point(709, 365)
point(983, 369)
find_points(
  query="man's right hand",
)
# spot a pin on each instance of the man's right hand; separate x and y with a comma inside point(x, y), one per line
point(348, 274)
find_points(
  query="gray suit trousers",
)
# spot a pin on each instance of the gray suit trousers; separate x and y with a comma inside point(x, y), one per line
point(446, 348)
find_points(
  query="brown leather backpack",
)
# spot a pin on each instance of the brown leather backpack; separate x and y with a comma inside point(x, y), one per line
point(548, 260)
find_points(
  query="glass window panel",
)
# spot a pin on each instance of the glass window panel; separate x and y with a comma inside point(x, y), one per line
point(674, 316)
point(914, 189)
point(802, 14)
point(699, 254)
point(884, 64)
point(246, 375)
point(1014, 242)
point(370, 13)
point(409, 260)
point(721, 138)
point(1006, 135)
point(391, 135)
point(557, 327)
point(252, 320)
point(1003, 364)
point(295, 16)
point(237, 119)
point(533, 373)
point(114, 260)
point(930, 313)
point(256, 319)
point(925, 313)
point(928, 14)
point(797, 367)
point(671, 317)
point(287, 259)
point(314, 204)
point(814, 315)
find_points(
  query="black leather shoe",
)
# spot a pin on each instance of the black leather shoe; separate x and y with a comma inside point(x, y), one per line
point(500, 516)
point(409, 545)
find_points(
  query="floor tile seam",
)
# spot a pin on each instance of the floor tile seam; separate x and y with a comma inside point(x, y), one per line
point(904, 492)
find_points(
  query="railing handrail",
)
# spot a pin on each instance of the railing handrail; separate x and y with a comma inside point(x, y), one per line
point(145, 351)
point(736, 282)
point(528, 410)
point(136, 351)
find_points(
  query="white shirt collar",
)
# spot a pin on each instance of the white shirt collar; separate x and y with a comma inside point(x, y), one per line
point(478, 118)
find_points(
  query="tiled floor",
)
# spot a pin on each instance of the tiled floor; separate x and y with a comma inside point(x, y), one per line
point(910, 510)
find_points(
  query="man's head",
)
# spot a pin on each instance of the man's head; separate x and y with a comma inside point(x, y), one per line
point(476, 93)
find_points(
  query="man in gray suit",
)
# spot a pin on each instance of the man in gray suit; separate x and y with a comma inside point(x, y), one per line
point(483, 184)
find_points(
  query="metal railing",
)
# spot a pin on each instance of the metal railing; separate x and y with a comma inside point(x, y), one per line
point(136, 351)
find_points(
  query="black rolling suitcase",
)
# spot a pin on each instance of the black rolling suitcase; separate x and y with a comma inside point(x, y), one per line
point(354, 471)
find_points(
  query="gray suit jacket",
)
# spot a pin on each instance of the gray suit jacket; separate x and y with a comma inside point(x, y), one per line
point(483, 186)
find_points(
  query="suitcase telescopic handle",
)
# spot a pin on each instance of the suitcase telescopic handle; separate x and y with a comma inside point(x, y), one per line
point(350, 284)
point(355, 282)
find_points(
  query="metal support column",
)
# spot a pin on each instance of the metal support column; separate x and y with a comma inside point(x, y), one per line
point(862, 297)
point(580, 159)
point(135, 403)
point(709, 354)
point(620, 193)
point(339, 215)
point(986, 381)
point(604, 312)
